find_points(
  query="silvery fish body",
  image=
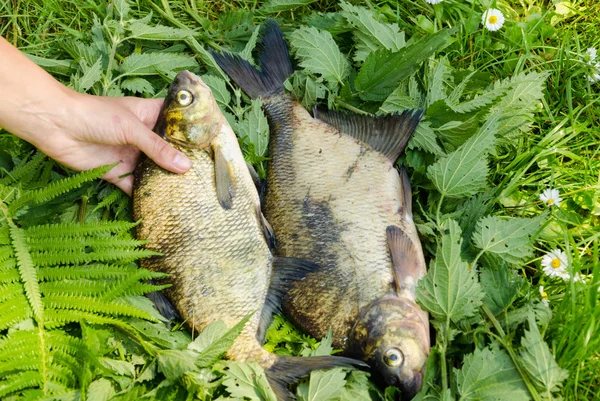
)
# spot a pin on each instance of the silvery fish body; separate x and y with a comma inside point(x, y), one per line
point(208, 226)
point(335, 197)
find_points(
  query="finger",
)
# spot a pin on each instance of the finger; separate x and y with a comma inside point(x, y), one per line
point(125, 184)
point(159, 150)
point(146, 110)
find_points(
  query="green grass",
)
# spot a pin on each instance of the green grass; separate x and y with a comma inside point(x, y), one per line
point(561, 150)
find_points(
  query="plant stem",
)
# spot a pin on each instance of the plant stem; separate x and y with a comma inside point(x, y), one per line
point(501, 337)
point(350, 107)
point(438, 212)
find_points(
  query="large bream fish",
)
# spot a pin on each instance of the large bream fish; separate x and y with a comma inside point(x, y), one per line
point(334, 197)
point(208, 225)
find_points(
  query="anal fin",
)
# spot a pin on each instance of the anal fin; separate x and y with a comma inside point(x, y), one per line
point(224, 180)
point(407, 262)
point(284, 273)
point(288, 369)
point(163, 305)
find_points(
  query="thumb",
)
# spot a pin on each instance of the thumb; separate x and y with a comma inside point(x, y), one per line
point(161, 152)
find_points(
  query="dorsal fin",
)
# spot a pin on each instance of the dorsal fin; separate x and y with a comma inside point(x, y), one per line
point(387, 134)
point(406, 261)
point(284, 272)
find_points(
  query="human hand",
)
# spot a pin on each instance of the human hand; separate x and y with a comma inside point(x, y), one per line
point(103, 130)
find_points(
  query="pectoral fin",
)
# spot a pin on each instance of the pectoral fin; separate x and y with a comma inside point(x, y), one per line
point(266, 228)
point(224, 178)
point(285, 272)
point(407, 263)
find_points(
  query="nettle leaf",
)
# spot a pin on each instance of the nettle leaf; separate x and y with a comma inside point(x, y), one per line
point(436, 81)
point(216, 342)
point(500, 285)
point(370, 34)
point(496, 90)
point(383, 70)
point(489, 375)
point(464, 171)
point(539, 363)
point(319, 54)
point(510, 238)
point(219, 90)
point(399, 100)
point(90, 75)
point(176, 363)
point(247, 380)
point(153, 63)
point(255, 127)
point(322, 386)
point(140, 30)
point(276, 6)
point(357, 386)
point(425, 139)
point(100, 390)
point(250, 45)
point(450, 290)
point(138, 85)
point(520, 102)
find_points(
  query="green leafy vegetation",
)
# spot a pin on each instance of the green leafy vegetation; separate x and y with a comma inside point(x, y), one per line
point(508, 114)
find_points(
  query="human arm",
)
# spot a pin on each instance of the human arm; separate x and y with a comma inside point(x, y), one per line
point(78, 130)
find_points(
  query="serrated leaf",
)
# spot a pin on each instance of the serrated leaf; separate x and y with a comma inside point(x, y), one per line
point(219, 90)
point(100, 390)
point(357, 387)
point(276, 6)
point(255, 127)
point(383, 70)
point(425, 139)
point(500, 285)
point(319, 54)
point(322, 386)
point(138, 85)
point(371, 34)
point(450, 290)
point(539, 363)
point(118, 367)
point(509, 238)
point(436, 82)
point(325, 347)
point(90, 76)
point(208, 336)
point(399, 100)
point(248, 380)
point(489, 375)
point(176, 363)
point(216, 343)
point(153, 63)
point(140, 30)
point(464, 171)
point(250, 45)
point(62, 67)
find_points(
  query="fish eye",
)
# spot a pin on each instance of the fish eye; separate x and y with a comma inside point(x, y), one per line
point(393, 357)
point(184, 97)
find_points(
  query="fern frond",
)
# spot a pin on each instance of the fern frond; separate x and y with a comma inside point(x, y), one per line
point(75, 287)
point(10, 290)
point(25, 170)
point(62, 369)
point(111, 198)
point(51, 258)
point(20, 381)
point(91, 304)
point(4, 235)
point(59, 317)
point(57, 188)
point(485, 99)
point(66, 230)
point(8, 272)
point(134, 285)
point(27, 271)
point(91, 271)
point(18, 309)
point(6, 252)
point(80, 244)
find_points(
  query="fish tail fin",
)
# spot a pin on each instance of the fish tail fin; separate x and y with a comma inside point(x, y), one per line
point(274, 61)
point(288, 369)
point(387, 134)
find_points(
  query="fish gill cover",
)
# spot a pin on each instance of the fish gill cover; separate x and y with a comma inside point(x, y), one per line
point(74, 323)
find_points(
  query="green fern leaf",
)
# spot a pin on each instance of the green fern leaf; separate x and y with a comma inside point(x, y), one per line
point(20, 381)
point(57, 188)
point(28, 272)
point(82, 244)
point(52, 258)
point(24, 172)
point(6, 252)
point(114, 196)
point(91, 271)
point(68, 230)
point(8, 272)
point(91, 304)
point(59, 317)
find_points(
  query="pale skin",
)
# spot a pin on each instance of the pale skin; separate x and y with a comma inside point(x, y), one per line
point(78, 130)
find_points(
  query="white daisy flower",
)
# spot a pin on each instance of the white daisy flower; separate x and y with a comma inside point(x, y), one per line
point(591, 55)
point(578, 279)
point(544, 296)
point(555, 264)
point(493, 19)
point(551, 197)
point(594, 76)
point(433, 1)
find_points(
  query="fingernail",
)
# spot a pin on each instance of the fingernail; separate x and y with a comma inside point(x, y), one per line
point(182, 162)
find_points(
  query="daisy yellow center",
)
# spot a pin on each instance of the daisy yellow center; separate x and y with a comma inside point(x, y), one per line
point(493, 19)
point(555, 263)
point(551, 201)
point(544, 295)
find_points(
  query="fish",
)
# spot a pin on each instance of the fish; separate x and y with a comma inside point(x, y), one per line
point(335, 197)
point(213, 237)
